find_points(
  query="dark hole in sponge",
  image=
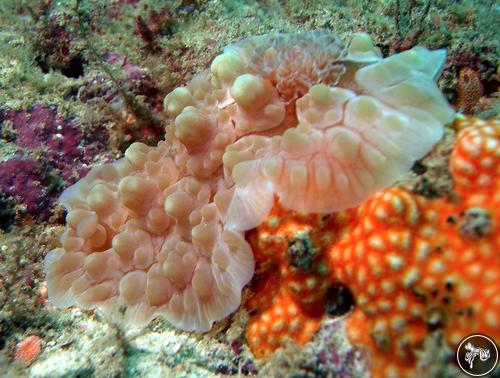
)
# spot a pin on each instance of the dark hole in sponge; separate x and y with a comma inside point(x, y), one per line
point(339, 300)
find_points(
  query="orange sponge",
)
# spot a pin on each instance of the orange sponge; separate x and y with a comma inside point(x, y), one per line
point(414, 265)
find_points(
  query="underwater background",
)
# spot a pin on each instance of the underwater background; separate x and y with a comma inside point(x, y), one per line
point(81, 80)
